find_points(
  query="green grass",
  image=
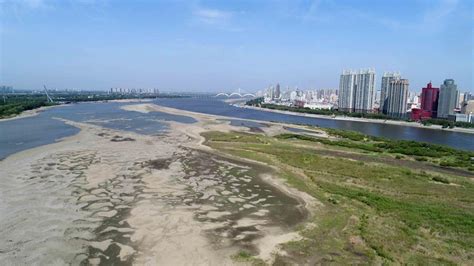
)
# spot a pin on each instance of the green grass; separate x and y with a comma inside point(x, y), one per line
point(414, 214)
point(420, 151)
point(440, 179)
point(372, 213)
point(239, 138)
point(247, 257)
point(342, 143)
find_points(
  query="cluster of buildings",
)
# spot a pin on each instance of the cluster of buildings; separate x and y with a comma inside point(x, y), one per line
point(312, 98)
point(6, 89)
point(358, 93)
point(445, 102)
point(133, 91)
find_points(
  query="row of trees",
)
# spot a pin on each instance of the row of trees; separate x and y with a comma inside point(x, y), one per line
point(446, 123)
point(14, 105)
point(259, 102)
point(443, 122)
point(17, 103)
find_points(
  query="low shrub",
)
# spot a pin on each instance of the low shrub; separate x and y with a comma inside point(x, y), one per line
point(440, 179)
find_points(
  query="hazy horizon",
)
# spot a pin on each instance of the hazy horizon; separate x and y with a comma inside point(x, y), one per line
point(210, 46)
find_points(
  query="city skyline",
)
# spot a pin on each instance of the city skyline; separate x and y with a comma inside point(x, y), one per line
point(213, 46)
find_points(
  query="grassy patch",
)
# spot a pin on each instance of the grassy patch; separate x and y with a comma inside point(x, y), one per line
point(235, 137)
point(245, 256)
point(371, 213)
point(420, 151)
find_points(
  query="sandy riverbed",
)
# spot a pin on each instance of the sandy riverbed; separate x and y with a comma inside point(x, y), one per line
point(109, 196)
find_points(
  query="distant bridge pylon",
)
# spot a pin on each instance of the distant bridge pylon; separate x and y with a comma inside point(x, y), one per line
point(237, 93)
point(50, 100)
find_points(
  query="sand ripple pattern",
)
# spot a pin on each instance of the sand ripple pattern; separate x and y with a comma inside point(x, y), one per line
point(137, 200)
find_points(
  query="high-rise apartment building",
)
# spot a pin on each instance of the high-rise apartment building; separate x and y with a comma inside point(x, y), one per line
point(386, 78)
point(271, 92)
point(397, 97)
point(277, 91)
point(357, 91)
point(460, 99)
point(429, 100)
point(448, 98)
point(346, 91)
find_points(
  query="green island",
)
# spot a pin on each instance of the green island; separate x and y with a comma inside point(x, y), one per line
point(379, 201)
point(258, 102)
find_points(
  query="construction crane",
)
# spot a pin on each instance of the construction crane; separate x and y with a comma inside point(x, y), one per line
point(47, 95)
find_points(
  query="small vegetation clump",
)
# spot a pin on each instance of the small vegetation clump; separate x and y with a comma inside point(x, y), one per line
point(440, 179)
point(247, 257)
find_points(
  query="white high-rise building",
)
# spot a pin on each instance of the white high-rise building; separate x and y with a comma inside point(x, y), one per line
point(346, 91)
point(397, 97)
point(271, 92)
point(460, 99)
point(357, 91)
point(386, 78)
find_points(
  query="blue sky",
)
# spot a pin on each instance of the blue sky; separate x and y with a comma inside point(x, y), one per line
point(223, 45)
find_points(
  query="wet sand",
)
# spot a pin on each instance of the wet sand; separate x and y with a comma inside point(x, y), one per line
point(116, 197)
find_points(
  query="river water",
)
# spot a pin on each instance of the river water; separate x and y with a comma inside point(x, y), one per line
point(25, 133)
point(457, 140)
point(29, 132)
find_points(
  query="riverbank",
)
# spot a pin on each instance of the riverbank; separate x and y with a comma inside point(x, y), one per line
point(112, 196)
point(364, 120)
point(29, 113)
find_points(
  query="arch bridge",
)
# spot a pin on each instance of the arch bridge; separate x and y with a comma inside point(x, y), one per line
point(237, 93)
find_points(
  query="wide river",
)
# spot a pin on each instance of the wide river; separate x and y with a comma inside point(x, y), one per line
point(457, 140)
point(25, 133)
